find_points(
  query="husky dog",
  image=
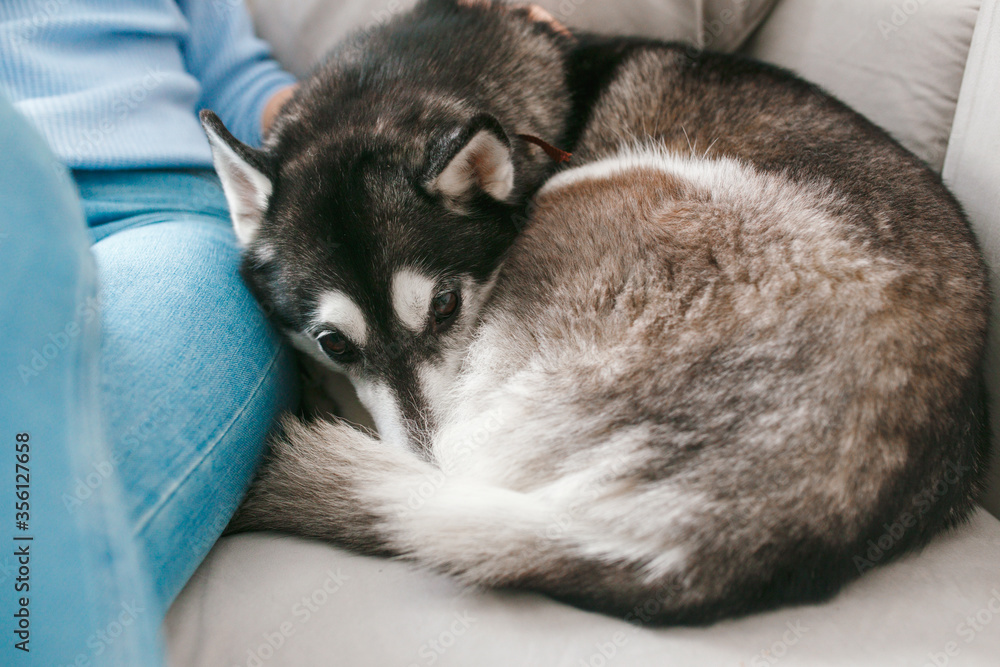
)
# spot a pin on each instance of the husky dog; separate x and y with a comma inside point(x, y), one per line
point(738, 342)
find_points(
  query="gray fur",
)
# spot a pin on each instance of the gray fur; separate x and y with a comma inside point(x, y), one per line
point(711, 369)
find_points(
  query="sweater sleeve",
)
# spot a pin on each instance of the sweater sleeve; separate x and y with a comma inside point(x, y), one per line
point(234, 67)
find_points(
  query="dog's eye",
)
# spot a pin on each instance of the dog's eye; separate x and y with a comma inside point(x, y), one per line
point(444, 305)
point(336, 346)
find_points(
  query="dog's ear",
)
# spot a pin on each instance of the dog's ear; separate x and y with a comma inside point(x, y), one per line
point(472, 159)
point(245, 176)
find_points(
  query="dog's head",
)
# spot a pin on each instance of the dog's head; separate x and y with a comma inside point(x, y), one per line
point(378, 214)
point(373, 265)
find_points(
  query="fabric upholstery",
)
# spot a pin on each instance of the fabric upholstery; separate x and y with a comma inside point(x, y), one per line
point(899, 62)
point(267, 599)
point(972, 171)
point(301, 31)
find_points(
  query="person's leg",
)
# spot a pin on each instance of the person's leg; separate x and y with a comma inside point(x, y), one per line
point(192, 375)
point(70, 574)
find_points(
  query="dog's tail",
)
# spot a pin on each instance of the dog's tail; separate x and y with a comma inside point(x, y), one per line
point(333, 482)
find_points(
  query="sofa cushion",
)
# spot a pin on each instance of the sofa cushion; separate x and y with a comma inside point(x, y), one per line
point(301, 31)
point(972, 171)
point(899, 62)
point(276, 601)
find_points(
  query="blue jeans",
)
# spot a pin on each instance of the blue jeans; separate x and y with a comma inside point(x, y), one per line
point(139, 380)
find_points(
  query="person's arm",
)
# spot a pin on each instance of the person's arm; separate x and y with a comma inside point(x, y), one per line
point(239, 80)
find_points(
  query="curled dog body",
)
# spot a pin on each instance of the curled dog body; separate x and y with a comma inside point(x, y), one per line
point(740, 334)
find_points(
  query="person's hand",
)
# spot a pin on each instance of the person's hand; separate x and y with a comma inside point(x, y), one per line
point(534, 12)
point(273, 106)
point(540, 15)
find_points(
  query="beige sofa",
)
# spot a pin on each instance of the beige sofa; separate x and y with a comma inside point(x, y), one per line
point(268, 599)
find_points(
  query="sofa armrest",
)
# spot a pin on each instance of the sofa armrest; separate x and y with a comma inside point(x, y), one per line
point(972, 171)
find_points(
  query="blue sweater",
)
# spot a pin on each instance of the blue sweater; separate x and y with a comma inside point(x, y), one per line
point(114, 84)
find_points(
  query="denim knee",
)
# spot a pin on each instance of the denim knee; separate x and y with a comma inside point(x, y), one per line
point(204, 375)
